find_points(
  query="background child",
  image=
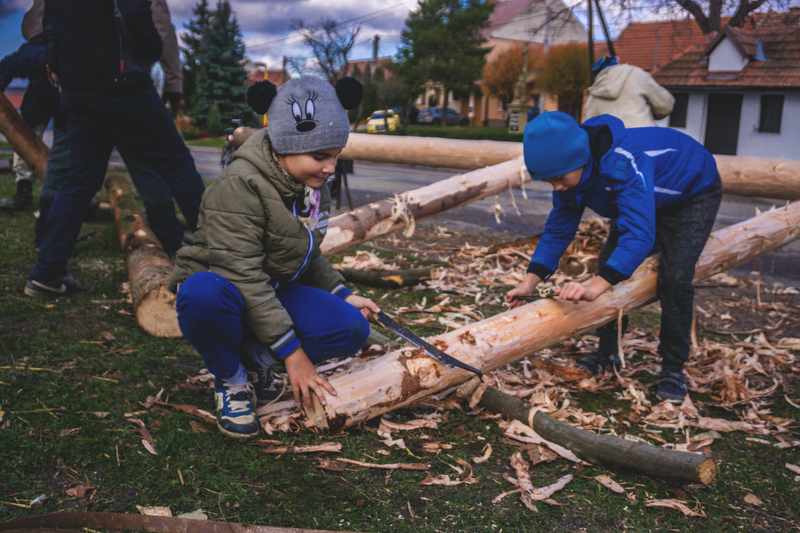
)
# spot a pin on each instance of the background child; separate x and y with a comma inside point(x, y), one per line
point(254, 289)
point(662, 191)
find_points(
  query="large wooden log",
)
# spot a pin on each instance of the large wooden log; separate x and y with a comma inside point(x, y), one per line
point(147, 264)
point(742, 176)
point(672, 465)
point(22, 137)
point(380, 218)
point(401, 377)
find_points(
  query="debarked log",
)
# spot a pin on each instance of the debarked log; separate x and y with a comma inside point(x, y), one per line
point(401, 377)
point(672, 465)
point(760, 177)
point(390, 279)
point(386, 216)
point(22, 138)
point(147, 264)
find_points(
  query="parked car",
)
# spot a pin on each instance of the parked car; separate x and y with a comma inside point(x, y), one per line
point(377, 123)
point(433, 115)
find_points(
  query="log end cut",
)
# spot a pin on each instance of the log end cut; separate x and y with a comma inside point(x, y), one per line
point(707, 471)
point(156, 313)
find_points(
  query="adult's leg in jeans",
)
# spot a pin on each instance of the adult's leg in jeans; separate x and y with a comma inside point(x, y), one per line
point(89, 150)
point(608, 332)
point(158, 202)
point(141, 125)
point(681, 236)
point(54, 175)
point(210, 317)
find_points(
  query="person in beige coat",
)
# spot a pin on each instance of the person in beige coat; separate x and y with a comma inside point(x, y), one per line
point(628, 93)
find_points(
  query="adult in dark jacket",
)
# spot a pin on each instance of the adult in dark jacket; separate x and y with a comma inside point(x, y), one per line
point(662, 191)
point(101, 52)
point(40, 98)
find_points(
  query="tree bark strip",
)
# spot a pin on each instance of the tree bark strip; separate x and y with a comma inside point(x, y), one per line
point(148, 266)
point(376, 219)
point(759, 177)
point(22, 138)
point(391, 279)
point(681, 467)
point(401, 377)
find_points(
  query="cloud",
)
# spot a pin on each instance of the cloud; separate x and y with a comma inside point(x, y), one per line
point(9, 7)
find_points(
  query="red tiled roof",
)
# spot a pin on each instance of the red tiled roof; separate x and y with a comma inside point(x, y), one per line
point(15, 98)
point(362, 65)
point(275, 76)
point(780, 37)
point(649, 44)
point(504, 12)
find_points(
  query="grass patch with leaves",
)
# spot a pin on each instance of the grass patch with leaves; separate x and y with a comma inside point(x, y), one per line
point(67, 362)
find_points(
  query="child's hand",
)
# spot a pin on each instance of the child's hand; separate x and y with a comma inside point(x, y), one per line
point(588, 291)
point(519, 296)
point(303, 376)
point(367, 307)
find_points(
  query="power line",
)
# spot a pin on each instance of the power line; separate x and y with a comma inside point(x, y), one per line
point(292, 40)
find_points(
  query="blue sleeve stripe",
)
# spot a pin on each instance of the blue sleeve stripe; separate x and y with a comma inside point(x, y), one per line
point(667, 191)
point(653, 153)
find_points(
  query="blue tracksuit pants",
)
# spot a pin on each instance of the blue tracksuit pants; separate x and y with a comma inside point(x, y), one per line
point(210, 315)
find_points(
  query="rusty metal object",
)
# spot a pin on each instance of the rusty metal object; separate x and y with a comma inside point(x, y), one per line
point(63, 522)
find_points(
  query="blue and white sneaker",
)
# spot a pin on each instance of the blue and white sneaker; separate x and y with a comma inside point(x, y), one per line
point(235, 414)
point(54, 288)
point(672, 386)
point(263, 386)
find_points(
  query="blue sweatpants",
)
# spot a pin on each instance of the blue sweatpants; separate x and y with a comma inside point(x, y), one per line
point(210, 315)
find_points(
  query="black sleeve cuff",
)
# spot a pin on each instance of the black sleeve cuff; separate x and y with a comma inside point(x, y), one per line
point(612, 276)
point(540, 270)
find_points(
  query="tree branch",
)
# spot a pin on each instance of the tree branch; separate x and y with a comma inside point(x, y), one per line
point(743, 10)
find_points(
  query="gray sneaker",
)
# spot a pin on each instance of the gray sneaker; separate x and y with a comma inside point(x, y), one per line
point(36, 288)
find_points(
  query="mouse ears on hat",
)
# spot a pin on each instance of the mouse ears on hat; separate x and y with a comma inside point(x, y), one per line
point(261, 94)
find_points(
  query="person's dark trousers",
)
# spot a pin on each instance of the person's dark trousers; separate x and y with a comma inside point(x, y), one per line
point(97, 121)
point(164, 223)
point(211, 314)
point(682, 231)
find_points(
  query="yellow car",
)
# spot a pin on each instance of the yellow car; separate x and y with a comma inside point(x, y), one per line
point(377, 123)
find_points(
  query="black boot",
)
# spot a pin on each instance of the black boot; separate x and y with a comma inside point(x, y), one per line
point(22, 201)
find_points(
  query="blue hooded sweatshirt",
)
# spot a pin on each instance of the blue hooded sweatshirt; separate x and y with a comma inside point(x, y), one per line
point(631, 175)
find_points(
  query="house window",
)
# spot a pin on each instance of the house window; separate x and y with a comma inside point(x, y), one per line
point(771, 112)
point(677, 119)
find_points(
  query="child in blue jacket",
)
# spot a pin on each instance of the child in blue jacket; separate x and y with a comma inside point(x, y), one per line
point(662, 191)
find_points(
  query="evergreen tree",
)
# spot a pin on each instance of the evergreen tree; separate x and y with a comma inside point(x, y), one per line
point(442, 42)
point(222, 77)
point(197, 29)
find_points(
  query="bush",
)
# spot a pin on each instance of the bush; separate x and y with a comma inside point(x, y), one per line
point(214, 121)
point(189, 134)
point(201, 134)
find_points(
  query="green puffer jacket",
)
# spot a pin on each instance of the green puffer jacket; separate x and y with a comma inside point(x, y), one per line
point(247, 233)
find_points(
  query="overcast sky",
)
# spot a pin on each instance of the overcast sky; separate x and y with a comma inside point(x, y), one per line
point(266, 24)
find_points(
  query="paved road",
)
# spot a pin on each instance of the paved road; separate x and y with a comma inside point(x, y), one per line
point(376, 181)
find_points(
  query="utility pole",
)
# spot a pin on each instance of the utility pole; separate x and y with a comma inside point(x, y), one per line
point(609, 42)
point(543, 95)
point(375, 55)
point(283, 74)
point(591, 39)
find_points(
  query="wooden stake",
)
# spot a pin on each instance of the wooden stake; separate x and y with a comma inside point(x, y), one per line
point(148, 266)
point(391, 279)
point(22, 138)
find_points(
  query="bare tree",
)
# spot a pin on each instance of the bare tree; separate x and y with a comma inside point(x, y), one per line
point(330, 46)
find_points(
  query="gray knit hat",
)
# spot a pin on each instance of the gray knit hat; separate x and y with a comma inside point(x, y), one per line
point(306, 114)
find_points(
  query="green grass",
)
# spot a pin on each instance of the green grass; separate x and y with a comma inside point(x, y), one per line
point(475, 133)
point(216, 142)
point(88, 373)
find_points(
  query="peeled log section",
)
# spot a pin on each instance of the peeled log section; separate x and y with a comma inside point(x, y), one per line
point(679, 467)
point(147, 264)
point(22, 138)
point(742, 176)
point(379, 218)
point(390, 279)
point(401, 377)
